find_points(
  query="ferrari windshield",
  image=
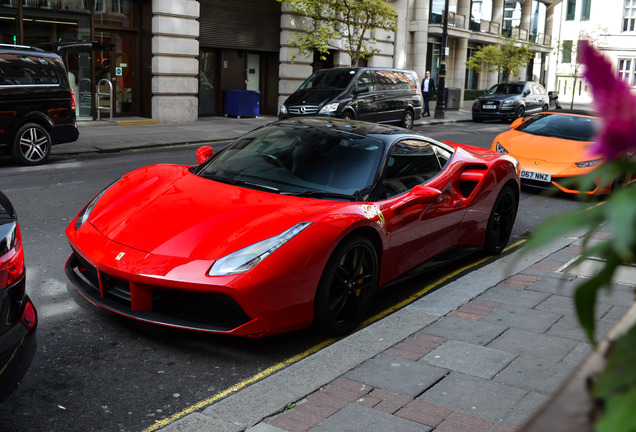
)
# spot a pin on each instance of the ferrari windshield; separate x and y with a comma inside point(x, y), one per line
point(571, 127)
point(300, 160)
point(332, 79)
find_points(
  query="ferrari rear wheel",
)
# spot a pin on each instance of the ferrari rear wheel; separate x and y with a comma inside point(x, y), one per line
point(501, 220)
point(346, 287)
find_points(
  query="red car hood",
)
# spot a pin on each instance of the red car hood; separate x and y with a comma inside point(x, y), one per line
point(166, 210)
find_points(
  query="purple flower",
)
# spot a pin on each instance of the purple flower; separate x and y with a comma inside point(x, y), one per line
point(615, 104)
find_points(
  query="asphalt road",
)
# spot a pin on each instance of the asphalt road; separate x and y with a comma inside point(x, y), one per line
point(96, 371)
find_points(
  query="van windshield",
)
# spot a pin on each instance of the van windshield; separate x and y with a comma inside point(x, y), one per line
point(335, 79)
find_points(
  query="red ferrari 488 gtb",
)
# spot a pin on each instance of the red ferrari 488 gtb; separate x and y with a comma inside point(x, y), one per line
point(293, 224)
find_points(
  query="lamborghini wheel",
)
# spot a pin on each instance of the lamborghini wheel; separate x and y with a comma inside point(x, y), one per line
point(501, 220)
point(346, 287)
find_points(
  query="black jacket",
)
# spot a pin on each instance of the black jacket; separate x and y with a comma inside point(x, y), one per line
point(431, 86)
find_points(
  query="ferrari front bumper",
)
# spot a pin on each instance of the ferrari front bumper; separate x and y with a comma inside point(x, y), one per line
point(194, 310)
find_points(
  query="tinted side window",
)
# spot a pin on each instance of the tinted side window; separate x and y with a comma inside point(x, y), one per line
point(366, 79)
point(412, 163)
point(393, 80)
point(24, 69)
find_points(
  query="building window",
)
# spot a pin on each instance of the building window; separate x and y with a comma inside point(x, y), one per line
point(627, 71)
point(571, 8)
point(586, 5)
point(629, 15)
point(566, 53)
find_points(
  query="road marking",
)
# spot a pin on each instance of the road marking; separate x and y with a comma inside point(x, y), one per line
point(275, 368)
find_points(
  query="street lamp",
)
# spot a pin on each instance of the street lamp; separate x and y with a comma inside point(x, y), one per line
point(441, 85)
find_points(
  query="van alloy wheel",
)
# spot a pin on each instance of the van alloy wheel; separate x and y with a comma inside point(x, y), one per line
point(32, 144)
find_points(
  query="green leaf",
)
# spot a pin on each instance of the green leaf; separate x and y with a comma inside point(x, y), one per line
point(566, 223)
point(585, 295)
point(619, 374)
point(619, 413)
point(620, 211)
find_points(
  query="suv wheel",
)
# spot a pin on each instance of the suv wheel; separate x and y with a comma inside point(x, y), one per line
point(32, 144)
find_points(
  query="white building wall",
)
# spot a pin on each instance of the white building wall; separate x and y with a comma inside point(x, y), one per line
point(604, 29)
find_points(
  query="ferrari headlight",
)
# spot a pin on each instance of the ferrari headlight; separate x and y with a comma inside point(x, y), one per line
point(247, 258)
point(500, 149)
point(588, 164)
point(329, 108)
point(86, 211)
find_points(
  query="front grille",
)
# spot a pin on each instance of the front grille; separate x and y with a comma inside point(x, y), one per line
point(303, 109)
point(204, 308)
point(575, 183)
point(535, 184)
point(208, 310)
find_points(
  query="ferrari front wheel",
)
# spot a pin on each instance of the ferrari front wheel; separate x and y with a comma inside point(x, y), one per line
point(500, 222)
point(346, 287)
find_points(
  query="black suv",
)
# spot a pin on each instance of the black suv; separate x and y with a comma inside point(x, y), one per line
point(510, 100)
point(37, 105)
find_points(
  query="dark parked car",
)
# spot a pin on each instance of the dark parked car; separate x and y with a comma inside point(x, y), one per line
point(37, 105)
point(511, 100)
point(378, 95)
point(18, 318)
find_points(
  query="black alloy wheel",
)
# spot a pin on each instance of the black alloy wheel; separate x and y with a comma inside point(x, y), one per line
point(346, 287)
point(502, 218)
point(32, 144)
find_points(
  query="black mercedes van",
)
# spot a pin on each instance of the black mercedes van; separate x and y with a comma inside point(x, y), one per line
point(37, 105)
point(379, 95)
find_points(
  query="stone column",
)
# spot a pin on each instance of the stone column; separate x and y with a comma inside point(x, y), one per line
point(419, 28)
point(175, 67)
point(526, 15)
point(497, 13)
point(458, 72)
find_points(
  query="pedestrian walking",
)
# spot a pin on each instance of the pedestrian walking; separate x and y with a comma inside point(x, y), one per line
point(428, 90)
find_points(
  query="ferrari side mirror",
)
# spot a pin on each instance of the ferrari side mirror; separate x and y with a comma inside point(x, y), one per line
point(420, 194)
point(204, 154)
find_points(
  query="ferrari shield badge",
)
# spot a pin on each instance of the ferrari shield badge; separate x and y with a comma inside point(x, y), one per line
point(372, 211)
point(120, 256)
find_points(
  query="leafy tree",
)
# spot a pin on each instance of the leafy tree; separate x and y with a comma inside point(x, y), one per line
point(505, 58)
point(351, 20)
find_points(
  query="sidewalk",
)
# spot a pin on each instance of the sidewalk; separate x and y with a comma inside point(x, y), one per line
point(103, 137)
point(482, 353)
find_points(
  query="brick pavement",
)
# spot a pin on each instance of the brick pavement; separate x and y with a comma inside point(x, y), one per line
point(486, 366)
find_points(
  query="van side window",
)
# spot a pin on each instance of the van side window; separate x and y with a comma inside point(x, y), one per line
point(26, 69)
point(412, 163)
point(366, 79)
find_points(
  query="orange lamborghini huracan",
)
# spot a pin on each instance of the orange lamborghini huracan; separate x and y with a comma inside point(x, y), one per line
point(553, 149)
